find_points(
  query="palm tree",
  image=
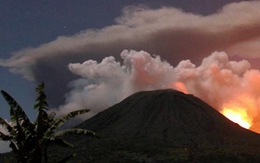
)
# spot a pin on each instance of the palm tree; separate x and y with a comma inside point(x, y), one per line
point(30, 141)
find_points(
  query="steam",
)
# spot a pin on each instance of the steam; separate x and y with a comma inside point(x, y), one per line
point(108, 82)
point(217, 80)
point(173, 34)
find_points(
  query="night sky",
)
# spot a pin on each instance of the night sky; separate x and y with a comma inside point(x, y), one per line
point(31, 23)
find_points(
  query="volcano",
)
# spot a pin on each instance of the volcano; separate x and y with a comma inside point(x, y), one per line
point(166, 126)
point(168, 115)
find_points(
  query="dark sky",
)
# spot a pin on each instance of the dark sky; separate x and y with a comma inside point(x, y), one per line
point(30, 23)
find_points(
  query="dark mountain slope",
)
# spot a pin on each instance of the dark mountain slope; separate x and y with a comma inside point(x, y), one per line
point(166, 126)
point(168, 115)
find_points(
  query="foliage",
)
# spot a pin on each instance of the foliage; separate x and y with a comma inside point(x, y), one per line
point(30, 140)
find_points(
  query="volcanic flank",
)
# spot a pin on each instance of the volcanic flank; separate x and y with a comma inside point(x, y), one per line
point(165, 114)
point(167, 125)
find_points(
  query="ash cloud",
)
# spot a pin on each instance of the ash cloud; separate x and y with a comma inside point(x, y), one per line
point(217, 80)
point(103, 84)
point(173, 34)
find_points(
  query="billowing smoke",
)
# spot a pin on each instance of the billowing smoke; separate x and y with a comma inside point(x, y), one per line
point(173, 34)
point(103, 84)
point(217, 80)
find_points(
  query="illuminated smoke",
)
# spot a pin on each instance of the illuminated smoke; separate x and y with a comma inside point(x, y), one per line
point(172, 33)
point(217, 80)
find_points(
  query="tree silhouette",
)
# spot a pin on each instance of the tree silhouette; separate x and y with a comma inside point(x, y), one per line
point(30, 141)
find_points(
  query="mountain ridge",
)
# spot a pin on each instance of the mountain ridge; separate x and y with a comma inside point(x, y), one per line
point(166, 126)
point(152, 110)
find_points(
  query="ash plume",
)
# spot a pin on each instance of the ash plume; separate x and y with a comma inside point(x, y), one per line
point(172, 33)
point(217, 80)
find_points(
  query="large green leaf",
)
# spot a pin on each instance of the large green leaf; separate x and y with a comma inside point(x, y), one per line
point(16, 112)
point(41, 102)
point(62, 120)
point(42, 123)
point(14, 146)
point(27, 138)
point(5, 137)
point(6, 125)
point(43, 120)
point(19, 117)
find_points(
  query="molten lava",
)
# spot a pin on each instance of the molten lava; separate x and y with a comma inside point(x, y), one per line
point(238, 115)
point(236, 110)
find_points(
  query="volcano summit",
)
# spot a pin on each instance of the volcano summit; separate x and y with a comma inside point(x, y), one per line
point(167, 126)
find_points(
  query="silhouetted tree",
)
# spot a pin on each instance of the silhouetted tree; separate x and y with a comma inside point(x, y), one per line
point(29, 141)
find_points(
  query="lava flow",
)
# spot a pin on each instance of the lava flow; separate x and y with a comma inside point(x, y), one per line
point(238, 115)
point(235, 110)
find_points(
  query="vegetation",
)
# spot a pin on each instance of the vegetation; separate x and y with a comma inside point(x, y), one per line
point(30, 140)
point(166, 126)
point(154, 126)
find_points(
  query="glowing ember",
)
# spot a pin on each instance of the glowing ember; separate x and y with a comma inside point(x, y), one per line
point(238, 115)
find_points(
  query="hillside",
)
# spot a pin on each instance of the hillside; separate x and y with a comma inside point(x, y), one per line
point(163, 126)
point(166, 115)
point(168, 125)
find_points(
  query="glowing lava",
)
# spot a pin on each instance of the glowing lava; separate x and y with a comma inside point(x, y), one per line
point(238, 115)
point(236, 110)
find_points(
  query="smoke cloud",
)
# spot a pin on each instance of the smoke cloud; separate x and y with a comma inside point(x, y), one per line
point(108, 82)
point(172, 33)
point(217, 80)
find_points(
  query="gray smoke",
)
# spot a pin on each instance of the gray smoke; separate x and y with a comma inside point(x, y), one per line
point(173, 34)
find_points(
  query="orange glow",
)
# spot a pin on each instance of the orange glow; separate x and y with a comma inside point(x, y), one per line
point(179, 86)
point(238, 115)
